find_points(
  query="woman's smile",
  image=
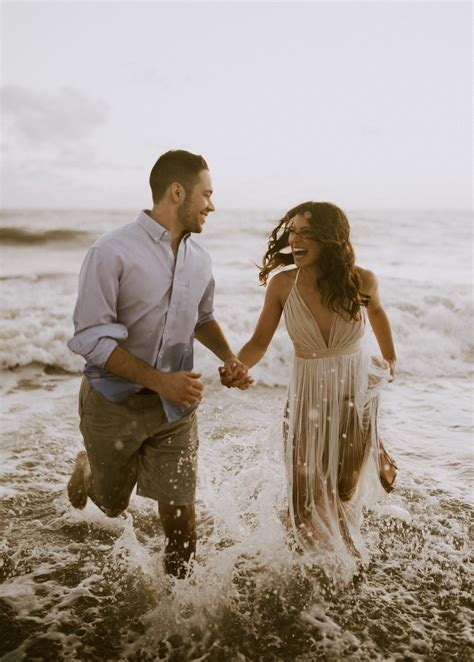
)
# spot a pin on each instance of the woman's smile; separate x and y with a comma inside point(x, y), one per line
point(299, 253)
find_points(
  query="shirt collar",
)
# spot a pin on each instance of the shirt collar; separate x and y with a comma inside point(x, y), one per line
point(151, 227)
point(156, 231)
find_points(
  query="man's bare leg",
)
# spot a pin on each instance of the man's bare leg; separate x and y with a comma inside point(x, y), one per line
point(80, 487)
point(80, 482)
point(179, 523)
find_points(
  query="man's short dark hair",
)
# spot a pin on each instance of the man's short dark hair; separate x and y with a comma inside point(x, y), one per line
point(177, 165)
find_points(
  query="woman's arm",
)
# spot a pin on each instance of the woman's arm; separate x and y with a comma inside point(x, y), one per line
point(378, 318)
point(255, 348)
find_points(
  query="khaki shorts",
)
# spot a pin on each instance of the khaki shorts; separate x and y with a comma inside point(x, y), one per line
point(133, 443)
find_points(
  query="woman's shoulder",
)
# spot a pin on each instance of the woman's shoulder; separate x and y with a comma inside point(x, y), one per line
point(282, 282)
point(284, 278)
point(368, 280)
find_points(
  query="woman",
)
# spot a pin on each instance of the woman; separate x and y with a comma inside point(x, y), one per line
point(330, 428)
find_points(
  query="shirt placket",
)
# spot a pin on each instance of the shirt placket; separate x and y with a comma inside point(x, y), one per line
point(178, 286)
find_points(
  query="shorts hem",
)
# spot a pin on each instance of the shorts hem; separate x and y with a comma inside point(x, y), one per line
point(166, 500)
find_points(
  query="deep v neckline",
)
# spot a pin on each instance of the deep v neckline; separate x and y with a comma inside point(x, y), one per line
point(310, 313)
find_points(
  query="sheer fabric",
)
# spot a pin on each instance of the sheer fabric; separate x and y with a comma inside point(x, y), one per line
point(330, 428)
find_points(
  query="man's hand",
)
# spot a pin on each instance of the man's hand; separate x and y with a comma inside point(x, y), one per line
point(181, 388)
point(235, 374)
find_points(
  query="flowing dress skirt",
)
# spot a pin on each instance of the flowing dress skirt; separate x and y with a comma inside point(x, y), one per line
point(332, 447)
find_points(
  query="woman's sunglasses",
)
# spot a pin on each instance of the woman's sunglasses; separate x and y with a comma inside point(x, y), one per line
point(305, 234)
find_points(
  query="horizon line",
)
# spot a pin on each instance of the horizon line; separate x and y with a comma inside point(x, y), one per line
point(234, 209)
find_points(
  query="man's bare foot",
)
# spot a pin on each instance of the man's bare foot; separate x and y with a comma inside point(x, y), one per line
point(77, 485)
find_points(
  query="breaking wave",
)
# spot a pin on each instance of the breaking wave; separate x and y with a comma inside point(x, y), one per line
point(19, 237)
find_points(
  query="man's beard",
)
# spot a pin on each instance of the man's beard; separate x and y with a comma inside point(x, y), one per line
point(188, 219)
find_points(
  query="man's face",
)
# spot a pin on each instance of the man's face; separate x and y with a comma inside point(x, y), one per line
point(197, 204)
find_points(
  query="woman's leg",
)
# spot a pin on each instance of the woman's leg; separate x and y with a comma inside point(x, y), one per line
point(352, 450)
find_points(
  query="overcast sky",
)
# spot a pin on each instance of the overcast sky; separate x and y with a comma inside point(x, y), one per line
point(365, 104)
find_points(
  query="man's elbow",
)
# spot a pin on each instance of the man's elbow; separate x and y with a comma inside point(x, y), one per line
point(97, 355)
point(96, 343)
point(201, 325)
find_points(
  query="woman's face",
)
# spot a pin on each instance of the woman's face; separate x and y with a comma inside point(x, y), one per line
point(303, 244)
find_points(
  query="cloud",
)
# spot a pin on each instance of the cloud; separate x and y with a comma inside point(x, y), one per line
point(62, 117)
point(53, 151)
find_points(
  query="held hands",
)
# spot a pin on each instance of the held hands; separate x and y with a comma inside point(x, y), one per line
point(235, 374)
point(184, 388)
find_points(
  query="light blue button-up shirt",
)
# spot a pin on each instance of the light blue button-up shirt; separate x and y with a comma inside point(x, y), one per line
point(133, 293)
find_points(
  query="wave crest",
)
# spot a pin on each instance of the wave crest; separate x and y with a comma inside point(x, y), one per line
point(17, 236)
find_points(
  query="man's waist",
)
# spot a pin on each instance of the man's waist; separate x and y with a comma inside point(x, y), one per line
point(122, 392)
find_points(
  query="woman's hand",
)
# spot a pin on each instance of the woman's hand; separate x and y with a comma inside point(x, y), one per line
point(392, 364)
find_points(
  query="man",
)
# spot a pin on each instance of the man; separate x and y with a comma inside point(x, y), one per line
point(145, 291)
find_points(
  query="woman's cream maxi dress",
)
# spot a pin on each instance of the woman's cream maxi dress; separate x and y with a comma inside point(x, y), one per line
point(331, 440)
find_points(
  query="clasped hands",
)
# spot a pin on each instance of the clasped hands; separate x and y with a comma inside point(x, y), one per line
point(235, 374)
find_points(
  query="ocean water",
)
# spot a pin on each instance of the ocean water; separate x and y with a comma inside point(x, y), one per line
point(76, 585)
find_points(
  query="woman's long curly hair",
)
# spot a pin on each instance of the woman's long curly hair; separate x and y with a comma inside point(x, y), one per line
point(338, 281)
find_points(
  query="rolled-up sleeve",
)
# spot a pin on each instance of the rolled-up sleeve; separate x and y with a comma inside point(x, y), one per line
point(206, 305)
point(97, 332)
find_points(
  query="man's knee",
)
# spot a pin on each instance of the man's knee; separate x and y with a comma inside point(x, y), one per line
point(116, 511)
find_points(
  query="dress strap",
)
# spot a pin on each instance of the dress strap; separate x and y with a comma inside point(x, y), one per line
point(296, 277)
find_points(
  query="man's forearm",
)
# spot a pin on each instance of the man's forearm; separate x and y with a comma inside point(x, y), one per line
point(125, 365)
point(181, 388)
point(211, 336)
